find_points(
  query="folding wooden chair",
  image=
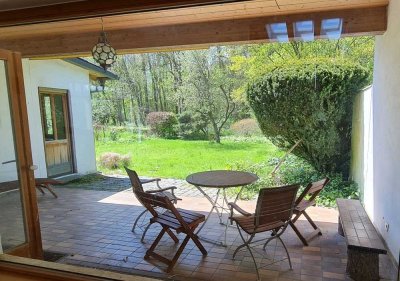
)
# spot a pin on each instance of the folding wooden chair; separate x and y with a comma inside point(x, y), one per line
point(273, 212)
point(48, 184)
point(182, 221)
point(305, 200)
point(137, 185)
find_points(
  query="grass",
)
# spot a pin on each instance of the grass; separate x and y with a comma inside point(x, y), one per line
point(179, 158)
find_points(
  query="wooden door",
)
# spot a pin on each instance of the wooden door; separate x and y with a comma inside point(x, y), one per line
point(19, 218)
point(56, 132)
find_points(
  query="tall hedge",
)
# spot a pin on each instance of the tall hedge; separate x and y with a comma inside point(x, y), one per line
point(311, 101)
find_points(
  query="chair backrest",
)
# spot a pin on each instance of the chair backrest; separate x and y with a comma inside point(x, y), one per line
point(312, 190)
point(135, 181)
point(152, 202)
point(275, 204)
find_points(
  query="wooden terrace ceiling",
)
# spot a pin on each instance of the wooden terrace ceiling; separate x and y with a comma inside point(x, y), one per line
point(157, 25)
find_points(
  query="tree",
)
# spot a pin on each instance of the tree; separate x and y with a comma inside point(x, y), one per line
point(310, 101)
point(251, 61)
point(210, 85)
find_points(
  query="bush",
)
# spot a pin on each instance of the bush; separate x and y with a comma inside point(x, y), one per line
point(111, 160)
point(162, 124)
point(311, 101)
point(246, 127)
point(296, 170)
point(192, 126)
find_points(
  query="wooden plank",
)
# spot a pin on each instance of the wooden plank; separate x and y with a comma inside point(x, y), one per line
point(250, 9)
point(359, 231)
point(36, 270)
point(367, 21)
point(86, 9)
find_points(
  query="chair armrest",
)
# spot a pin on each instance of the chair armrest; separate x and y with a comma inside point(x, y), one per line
point(144, 181)
point(161, 189)
point(234, 206)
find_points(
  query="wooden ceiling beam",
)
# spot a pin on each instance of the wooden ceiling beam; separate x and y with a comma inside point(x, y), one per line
point(98, 8)
point(366, 21)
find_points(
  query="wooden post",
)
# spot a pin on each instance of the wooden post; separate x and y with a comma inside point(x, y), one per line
point(362, 265)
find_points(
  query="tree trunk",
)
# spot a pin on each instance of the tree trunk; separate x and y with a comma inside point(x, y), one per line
point(146, 90)
point(217, 133)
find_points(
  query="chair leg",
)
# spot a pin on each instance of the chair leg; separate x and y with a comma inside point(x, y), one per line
point(287, 252)
point(137, 220)
point(172, 235)
point(298, 215)
point(246, 244)
point(312, 222)
point(144, 232)
point(49, 187)
point(40, 189)
point(301, 237)
point(196, 241)
point(273, 236)
point(150, 251)
point(178, 253)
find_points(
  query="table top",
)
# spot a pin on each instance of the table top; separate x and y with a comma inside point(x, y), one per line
point(221, 178)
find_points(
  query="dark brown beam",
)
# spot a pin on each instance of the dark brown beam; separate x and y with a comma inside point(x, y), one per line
point(98, 8)
point(367, 21)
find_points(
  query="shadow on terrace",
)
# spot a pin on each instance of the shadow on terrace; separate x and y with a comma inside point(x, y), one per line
point(92, 228)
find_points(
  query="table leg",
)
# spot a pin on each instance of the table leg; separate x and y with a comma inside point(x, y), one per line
point(213, 203)
point(216, 206)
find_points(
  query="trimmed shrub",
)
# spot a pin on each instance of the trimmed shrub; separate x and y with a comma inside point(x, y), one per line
point(311, 101)
point(111, 160)
point(162, 124)
point(245, 127)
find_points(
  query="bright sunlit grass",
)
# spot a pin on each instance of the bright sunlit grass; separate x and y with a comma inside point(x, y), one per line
point(179, 158)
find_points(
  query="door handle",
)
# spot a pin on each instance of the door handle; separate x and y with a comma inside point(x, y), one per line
point(33, 167)
point(10, 161)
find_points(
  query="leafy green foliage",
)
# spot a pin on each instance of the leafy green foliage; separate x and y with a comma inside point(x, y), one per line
point(311, 101)
point(192, 126)
point(295, 170)
point(162, 124)
point(252, 61)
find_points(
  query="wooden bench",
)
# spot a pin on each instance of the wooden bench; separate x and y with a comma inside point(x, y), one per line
point(363, 241)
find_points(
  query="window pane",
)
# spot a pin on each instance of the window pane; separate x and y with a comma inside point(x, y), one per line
point(47, 118)
point(12, 221)
point(60, 121)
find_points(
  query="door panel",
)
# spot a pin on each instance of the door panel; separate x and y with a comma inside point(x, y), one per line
point(57, 140)
point(19, 219)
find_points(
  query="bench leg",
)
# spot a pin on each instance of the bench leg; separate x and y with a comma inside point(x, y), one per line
point(340, 228)
point(362, 266)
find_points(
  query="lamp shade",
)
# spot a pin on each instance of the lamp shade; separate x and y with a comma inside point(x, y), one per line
point(103, 53)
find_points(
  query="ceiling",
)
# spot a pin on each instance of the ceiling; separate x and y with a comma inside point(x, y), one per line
point(22, 4)
point(240, 10)
point(183, 27)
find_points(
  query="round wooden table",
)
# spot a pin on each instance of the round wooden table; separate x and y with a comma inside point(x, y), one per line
point(221, 180)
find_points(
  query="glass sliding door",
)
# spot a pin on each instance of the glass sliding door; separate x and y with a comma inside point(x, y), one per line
point(19, 223)
point(12, 225)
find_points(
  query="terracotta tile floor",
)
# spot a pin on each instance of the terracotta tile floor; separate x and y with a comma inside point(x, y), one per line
point(94, 229)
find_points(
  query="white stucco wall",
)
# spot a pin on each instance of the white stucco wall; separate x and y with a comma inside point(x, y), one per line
point(379, 166)
point(362, 164)
point(61, 75)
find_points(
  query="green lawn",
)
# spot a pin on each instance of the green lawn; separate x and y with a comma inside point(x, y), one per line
point(179, 158)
